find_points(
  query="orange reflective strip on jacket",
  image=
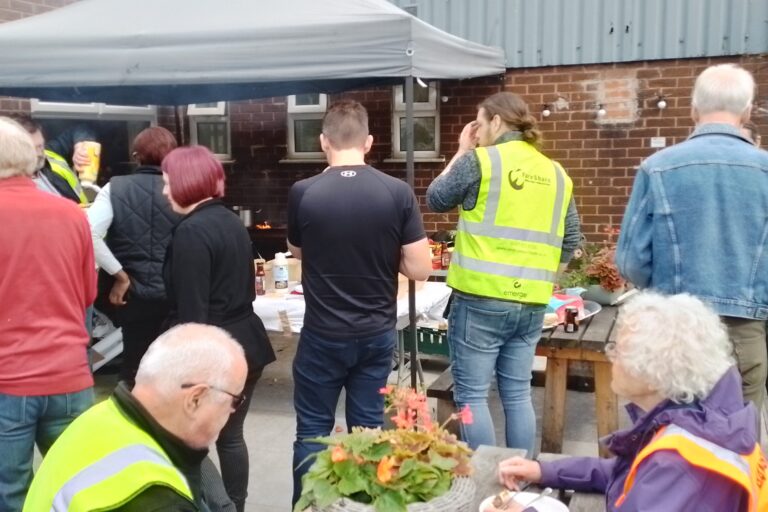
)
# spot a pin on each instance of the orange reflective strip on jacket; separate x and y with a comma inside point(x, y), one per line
point(747, 470)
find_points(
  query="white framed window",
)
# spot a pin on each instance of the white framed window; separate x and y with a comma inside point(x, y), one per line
point(102, 111)
point(305, 123)
point(209, 127)
point(426, 121)
point(217, 108)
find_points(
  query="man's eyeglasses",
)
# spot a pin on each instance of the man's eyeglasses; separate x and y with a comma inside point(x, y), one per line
point(237, 400)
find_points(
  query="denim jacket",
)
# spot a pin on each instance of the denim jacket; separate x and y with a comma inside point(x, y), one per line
point(697, 222)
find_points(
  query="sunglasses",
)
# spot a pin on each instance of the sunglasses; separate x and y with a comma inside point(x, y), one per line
point(237, 400)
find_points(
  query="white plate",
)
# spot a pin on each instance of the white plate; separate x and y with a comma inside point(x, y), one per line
point(545, 504)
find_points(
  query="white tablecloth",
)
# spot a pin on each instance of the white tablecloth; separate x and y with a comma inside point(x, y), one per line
point(285, 312)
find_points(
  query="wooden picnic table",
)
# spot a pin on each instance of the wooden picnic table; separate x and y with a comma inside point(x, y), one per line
point(586, 345)
point(485, 462)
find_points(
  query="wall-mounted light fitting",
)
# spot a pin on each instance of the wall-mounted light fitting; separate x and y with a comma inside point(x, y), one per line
point(661, 103)
point(545, 111)
point(601, 110)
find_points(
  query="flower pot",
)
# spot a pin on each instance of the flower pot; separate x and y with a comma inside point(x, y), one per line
point(459, 498)
point(597, 293)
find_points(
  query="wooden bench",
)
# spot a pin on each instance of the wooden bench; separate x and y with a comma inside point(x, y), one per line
point(561, 348)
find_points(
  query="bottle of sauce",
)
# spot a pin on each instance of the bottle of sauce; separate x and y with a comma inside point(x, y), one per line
point(445, 256)
point(280, 271)
point(260, 276)
point(571, 319)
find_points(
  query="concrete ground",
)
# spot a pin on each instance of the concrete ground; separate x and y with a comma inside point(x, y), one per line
point(270, 426)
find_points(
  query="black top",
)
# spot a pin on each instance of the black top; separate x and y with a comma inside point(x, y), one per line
point(187, 460)
point(350, 223)
point(209, 278)
point(141, 229)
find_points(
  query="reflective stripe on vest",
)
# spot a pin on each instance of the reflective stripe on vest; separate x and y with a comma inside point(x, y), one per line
point(106, 468)
point(60, 166)
point(748, 471)
point(501, 253)
point(100, 462)
point(502, 269)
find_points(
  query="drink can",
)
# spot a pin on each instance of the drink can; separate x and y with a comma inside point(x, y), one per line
point(90, 172)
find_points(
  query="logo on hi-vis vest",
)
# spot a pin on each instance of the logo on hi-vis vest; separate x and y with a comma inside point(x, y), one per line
point(518, 178)
point(516, 293)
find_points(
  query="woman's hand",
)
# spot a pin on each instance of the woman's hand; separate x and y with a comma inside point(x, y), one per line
point(517, 469)
point(119, 288)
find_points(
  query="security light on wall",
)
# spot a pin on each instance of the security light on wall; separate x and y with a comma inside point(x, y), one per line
point(601, 110)
point(661, 103)
point(545, 111)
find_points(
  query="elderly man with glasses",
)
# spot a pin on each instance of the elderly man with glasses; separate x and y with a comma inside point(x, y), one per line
point(142, 449)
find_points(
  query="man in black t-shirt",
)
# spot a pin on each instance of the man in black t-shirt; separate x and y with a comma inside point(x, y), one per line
point(354, 228)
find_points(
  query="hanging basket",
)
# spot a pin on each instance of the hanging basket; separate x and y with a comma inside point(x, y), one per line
point(459, 498)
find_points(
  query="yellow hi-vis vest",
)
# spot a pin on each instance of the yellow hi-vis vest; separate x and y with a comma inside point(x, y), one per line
point(60, 166)
point(745, 470)
point(100, 462)
point(508, 246)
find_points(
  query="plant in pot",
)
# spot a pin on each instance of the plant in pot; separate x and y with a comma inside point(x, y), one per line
point(594, 267)
point(417, 466)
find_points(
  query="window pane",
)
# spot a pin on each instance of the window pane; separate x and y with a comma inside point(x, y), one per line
point(420, 94)
point(214, 136)
point(306, 137)
point(423, 134)
point(206, 105)
point(308, 99)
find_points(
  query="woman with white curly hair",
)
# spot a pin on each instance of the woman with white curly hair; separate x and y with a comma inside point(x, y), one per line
point(693, 443)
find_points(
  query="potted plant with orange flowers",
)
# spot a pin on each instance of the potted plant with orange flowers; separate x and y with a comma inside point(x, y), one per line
point(418, 466)
point(594, 267)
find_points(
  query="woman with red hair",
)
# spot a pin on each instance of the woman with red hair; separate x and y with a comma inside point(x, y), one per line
point(209, 276)
point(131, 224)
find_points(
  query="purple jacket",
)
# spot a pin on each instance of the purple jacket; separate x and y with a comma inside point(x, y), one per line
point(665, 482)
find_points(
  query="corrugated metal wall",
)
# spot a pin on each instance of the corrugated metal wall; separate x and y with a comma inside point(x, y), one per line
point(553, 32)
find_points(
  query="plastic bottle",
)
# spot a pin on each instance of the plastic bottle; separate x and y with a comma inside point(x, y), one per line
point(260, 274)
point(280, 271)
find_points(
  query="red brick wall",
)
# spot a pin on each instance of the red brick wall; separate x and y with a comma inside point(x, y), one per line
point(600, 154)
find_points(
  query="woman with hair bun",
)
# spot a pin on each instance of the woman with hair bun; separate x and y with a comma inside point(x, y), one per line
point(517, 224)
point(209, 275)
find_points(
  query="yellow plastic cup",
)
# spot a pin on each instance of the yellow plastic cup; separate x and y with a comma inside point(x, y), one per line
point(90, 172)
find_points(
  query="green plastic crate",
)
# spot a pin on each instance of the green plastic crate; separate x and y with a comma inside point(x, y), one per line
point(428, 340)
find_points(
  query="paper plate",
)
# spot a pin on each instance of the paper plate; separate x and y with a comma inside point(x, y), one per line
point(545, 504)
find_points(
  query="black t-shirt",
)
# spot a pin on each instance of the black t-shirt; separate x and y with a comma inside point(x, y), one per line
point(350, 223)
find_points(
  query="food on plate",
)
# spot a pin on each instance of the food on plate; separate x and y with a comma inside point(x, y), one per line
point(550, 320)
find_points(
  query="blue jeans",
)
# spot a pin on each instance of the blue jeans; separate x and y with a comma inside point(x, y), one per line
point(24, 421)
point(489, 336)
point(321, 368)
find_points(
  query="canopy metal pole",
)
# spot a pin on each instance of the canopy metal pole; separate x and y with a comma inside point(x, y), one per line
point(410, 177)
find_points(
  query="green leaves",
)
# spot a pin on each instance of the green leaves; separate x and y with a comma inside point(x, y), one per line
point(387, 468)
